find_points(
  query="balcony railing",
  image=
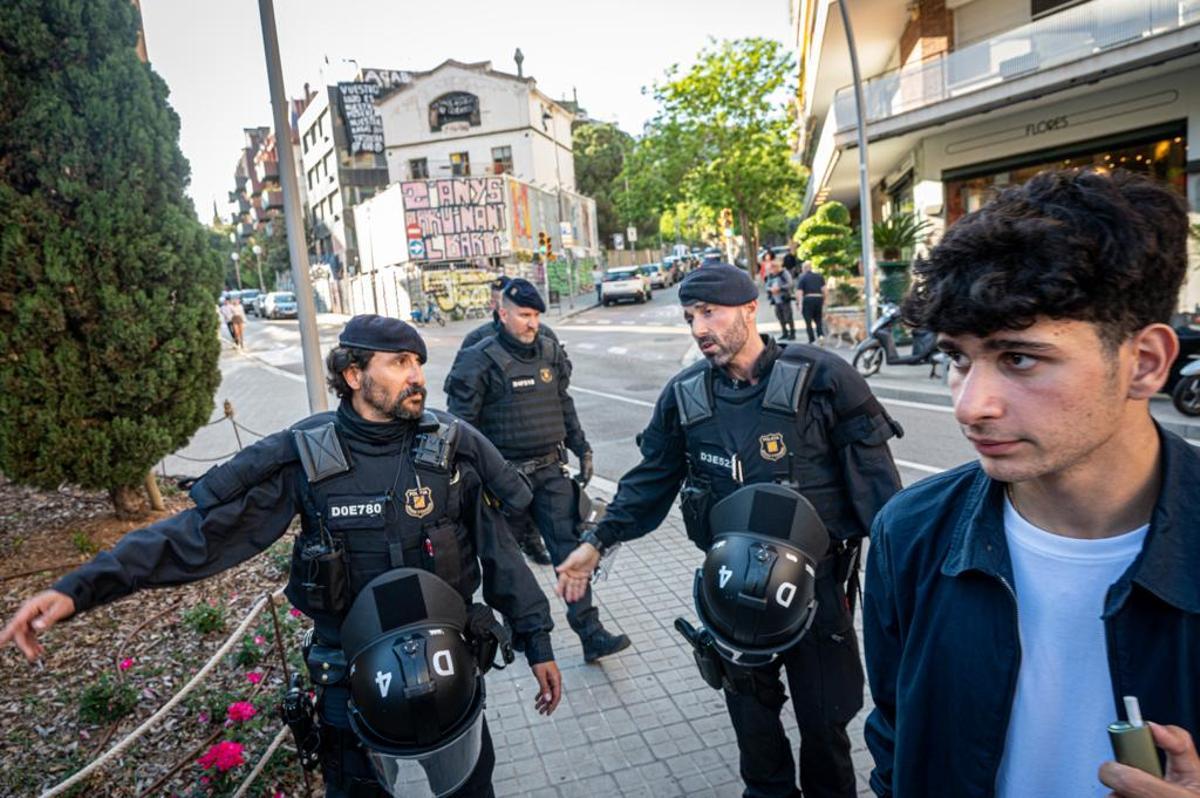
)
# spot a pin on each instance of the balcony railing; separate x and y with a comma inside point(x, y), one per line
point(1070, 35)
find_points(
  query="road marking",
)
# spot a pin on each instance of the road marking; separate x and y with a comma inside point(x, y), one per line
point(675, 329)
point(928, 469)
point(584, 346)
point(628, 323)
point(917, 405)
point(600, 321)
point(617, 350)
point(617, 397)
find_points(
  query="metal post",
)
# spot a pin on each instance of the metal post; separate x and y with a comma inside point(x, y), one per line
point(258, 257)
point(310, 344)
point(864, 183)
point(237, 269)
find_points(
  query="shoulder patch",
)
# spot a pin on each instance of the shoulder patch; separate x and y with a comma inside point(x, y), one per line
point(321, 452)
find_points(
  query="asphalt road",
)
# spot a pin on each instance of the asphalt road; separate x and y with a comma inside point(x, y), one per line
point(623, 356)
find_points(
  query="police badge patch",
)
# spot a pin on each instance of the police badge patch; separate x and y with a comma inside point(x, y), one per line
point(771, 446)
point(418, 502)
point(546, 375)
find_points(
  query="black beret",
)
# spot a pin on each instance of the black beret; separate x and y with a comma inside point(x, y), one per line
point(382, 334)
point(501, 282)
point(717, 284)
point(521, 293)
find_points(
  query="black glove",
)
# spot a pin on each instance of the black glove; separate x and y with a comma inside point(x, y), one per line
point(586, 470)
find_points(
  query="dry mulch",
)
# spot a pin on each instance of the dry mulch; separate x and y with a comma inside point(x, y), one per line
point(45, 533)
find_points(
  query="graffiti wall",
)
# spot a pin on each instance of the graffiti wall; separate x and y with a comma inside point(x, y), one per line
point(464, 292)
point(456, 218)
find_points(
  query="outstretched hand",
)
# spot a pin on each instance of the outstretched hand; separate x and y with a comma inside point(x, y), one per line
point(575, 572)
point(36, 615)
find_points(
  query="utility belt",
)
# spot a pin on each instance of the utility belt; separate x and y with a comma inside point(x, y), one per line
point(527, 467)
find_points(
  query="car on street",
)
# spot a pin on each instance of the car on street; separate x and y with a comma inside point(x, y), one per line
point(279, 305)
point(250, 300)
point(659, 275)
point(625, 282)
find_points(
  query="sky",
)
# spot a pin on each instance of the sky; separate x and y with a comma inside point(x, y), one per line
point(210, 53)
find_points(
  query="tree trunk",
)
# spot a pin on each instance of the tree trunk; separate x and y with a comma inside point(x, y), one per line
point(127, 502)
point(152, 491)
point(751, 241)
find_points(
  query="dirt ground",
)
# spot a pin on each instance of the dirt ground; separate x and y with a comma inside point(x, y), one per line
point(106, 671)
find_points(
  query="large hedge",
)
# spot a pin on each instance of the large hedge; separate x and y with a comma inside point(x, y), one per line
point(108, 344)
point(825, 239)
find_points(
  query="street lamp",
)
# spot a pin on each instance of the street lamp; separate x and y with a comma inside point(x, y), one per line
point(236, 269)
point(258, 255)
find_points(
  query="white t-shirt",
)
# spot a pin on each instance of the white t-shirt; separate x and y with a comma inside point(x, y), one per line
point(1057, 734)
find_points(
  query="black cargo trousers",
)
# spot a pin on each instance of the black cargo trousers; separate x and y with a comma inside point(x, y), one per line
point(825, 681)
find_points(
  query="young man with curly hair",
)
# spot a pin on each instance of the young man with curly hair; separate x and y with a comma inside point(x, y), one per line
point(1012, 602)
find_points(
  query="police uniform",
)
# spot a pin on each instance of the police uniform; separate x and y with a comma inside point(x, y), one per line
point(516, 394)
point(521, 524)
point(371, 497)
point(810, 422)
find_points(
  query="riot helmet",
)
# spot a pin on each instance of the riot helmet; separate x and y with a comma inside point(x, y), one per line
point(416, 695)
point(756, 591)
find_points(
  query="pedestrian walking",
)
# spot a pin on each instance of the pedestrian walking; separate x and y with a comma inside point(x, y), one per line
point(381, 484)
point(1032, 589)
point(779, 292)
point(811, 287)
point(226, 311)
point(790, 264)
point(513, 388)
point(598, 281)
point(754, 412)
point(237, 322)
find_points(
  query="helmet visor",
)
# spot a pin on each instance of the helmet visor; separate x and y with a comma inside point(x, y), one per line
point(432, 773)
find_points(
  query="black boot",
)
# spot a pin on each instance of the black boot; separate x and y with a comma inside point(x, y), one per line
point(602, 643)
point(535, 549)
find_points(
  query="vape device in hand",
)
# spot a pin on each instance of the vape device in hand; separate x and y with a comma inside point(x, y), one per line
point(1132, 742)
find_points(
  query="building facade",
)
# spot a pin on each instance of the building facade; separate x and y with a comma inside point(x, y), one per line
point(341, 164)
point(965, 96)
point(257, 197)
point(469, 120)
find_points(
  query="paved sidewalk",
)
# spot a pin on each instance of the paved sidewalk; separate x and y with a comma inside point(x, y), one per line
point(639, 723)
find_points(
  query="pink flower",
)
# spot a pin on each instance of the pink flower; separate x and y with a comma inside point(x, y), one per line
point(254, 677)
point(224, 756)
point(241, 711)
point(295, 613)
point(279, 794)
point(126, 664)
point(259, 640)
point(203, 718)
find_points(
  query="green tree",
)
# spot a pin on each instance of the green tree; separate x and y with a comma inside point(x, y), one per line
point(720, 138)
point(827, 239)
point(600, 150)
point(108, 344)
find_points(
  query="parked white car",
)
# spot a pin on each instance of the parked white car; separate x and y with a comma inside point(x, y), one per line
point(625, 282)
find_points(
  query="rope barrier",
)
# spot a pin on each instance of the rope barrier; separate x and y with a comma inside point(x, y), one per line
point(149, 723)
point(262, 763)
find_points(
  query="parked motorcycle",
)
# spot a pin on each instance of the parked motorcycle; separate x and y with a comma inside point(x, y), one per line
point(431, 313)
point(1186, 395)
point(880, 346)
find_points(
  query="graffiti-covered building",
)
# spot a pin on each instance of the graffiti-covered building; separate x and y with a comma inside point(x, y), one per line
point(468, 229)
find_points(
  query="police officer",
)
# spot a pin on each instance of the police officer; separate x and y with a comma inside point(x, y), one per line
point(513, 387)
point(753, 411)
point(379, 484)
point(521, 524)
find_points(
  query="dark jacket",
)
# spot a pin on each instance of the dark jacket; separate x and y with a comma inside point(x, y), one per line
point(840, 414)
point(476, 384)
point(940, 627)
point(229, 527)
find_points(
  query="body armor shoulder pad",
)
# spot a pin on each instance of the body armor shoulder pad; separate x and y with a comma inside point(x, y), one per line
point(321, 452)
point(693, 397)
point(547, 347)
point(435, 443)
point(497, 353)
point(788, 382)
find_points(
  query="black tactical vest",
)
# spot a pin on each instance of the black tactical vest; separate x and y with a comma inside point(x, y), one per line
point(376, 511)
point(785, 447)
point(526, 420)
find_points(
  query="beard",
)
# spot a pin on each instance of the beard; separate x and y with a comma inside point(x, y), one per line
point(376, 396)
point(725, 344)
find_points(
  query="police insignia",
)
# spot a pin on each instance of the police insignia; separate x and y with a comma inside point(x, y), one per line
point(418, 502)
point(771, 446)
point(546, 375)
